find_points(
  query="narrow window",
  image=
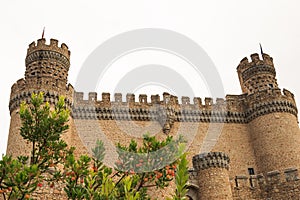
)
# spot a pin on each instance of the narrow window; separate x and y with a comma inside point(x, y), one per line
point(236, 182)
point(251, 171)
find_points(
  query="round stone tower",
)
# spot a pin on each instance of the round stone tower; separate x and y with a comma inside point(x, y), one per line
point(47, 67)
point(49, 62)
point(213, 177)
point(257, 75)
point(271, 114)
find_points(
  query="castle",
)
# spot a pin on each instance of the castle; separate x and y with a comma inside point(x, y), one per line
point(249, 143)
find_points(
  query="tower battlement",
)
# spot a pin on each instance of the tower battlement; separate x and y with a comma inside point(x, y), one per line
point(232, 109)
point(47, 61)
point(142, 101)
point(23, 89)
point(274, 184)
point(255, 61)
point(257, 75)
point(53, 46)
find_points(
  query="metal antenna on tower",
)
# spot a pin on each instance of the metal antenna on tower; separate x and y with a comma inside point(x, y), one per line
point(261, 51)
point(43, 33)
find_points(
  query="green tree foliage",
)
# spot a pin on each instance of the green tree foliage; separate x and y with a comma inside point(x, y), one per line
point(17, 180)
point(41, 128)
point(153, 163)
point(181, 179)
point(132, 176)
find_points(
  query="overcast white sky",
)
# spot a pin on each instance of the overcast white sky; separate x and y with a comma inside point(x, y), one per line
point(227, 30)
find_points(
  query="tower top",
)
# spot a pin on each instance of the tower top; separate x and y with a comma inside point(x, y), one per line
point(257, 74)
point(255, 60)
point(53, 46)
point(47, 60)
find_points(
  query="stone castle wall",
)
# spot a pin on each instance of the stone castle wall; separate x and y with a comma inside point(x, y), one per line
point(257, 129)
point(272, 185)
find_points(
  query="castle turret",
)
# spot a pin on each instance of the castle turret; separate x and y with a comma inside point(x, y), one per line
point(213, 177)
point(258, 74)
point(48, 62)
point(47, 67)
point(271, 114)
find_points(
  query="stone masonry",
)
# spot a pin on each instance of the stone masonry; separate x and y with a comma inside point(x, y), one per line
point(257, 131)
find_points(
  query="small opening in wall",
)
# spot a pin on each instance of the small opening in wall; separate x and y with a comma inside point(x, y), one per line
point(271, 85)
point(251, 171)
point(236, 182)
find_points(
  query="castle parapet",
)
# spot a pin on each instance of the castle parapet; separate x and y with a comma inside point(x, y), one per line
point(232, 109)
point(220, 104)
point(53, 46)
point(23, 88)
point(187, 111)
point(268, 186)
point(255, 60)
point(269, 101)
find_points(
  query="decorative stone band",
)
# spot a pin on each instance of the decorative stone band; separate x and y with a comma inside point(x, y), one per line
point(25, 96)
point(152, 114)
point(212, 159)
point(115, 112)
point(271, 107)
point(47, 55)
point(258, 69)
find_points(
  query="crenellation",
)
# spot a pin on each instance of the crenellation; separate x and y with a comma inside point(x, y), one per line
point(53, 42)
point(254, 57)
point(41, 42)
point(257, 75)
point(106, 97)
point(288, 94)
point(244, 61)
point(208, 102)
point(273, 177)
point(197, 103)
point(78, 97)
point(254, 181)
point(53, 46)
point(185, 100)
point(118, 97)
point(291, 174)
point(31, 45)
point(92, 96)
point(17, 87)
point(130, 98)
point(241, 181)
point(155, 99)
point(270, 187)
point(143, 98)
point(267, 59)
